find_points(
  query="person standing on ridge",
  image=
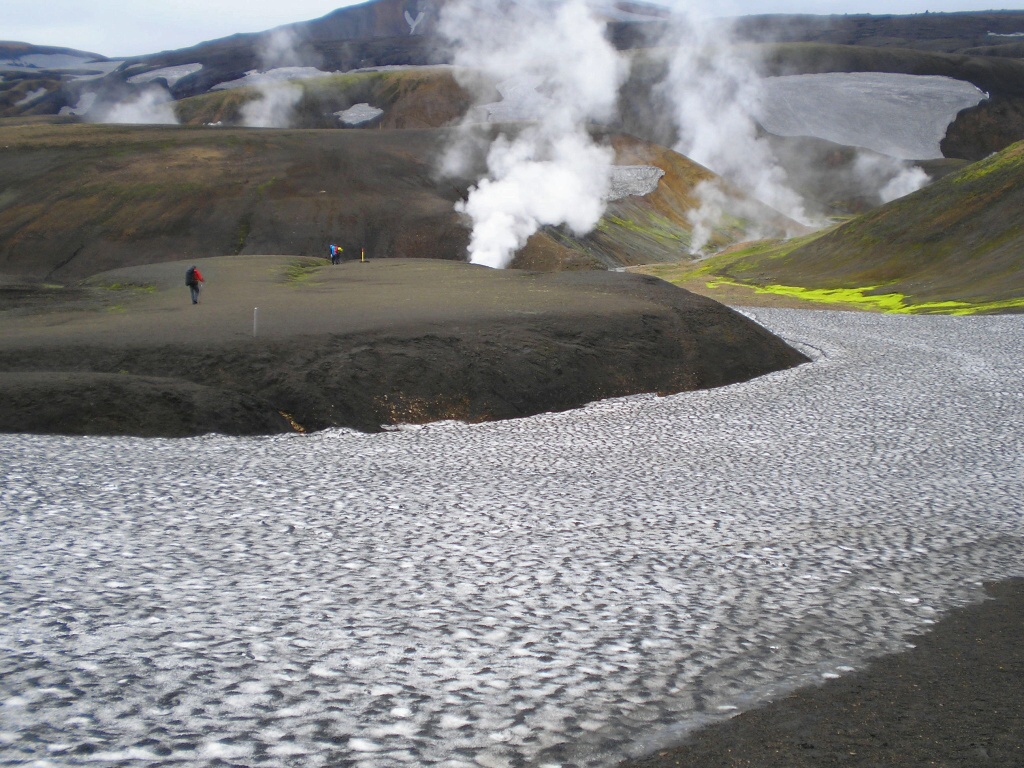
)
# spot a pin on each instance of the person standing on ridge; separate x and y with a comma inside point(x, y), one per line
point(193, 279)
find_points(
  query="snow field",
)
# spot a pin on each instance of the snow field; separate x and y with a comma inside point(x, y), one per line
point(903, 116)
point(560, 590)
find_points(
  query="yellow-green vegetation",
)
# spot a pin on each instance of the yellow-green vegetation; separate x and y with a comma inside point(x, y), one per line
point(654, 226)
point(747, 256)
point(135, 287)
point(215, 106)
point(870, 298)
point(743, 256)
point(1003, 161)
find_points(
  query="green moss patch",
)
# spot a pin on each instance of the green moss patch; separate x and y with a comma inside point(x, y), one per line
point(299, 272)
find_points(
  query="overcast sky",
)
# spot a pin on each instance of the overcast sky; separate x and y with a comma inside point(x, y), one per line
point(131, 27)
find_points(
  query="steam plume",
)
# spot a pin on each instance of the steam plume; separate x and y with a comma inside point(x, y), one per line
point(275, 107)
point(718, 99)
point(554, 56)
point(281, 49)
point(152, 106)
point(715, 93)
point(891, 178)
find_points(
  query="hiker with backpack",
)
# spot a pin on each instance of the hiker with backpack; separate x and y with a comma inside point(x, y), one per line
point(194, 279)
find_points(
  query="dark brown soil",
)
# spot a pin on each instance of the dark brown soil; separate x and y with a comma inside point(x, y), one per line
point(84, 403)
point(356, 345)
point(956, 700)
point(990, 127)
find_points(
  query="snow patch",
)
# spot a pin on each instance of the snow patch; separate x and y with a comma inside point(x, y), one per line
point(359, 114)
point(633, 180)
point(39, 62)
point(254, 78)
point(171, 74)
point(808, 536)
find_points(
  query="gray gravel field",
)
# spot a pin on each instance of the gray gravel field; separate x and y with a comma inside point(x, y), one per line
point(562, 590)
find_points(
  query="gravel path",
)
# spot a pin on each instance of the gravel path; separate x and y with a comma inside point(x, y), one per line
point(560, 590)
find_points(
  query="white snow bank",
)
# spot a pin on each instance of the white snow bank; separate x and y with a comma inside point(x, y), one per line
point(254, 78)
point(903, 116)
point(83, 107)
point(31, 98)
point(171, 74)
point(564, 589)
point(38, 62)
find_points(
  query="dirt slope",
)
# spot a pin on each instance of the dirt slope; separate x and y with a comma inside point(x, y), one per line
point(80, 199)
point(958, 240)
point(417, 98)
point(356, 345)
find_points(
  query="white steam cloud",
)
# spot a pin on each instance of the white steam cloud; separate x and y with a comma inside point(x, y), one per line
point(281, 49)
point(715, 93)
point(550, 171)
point(557, 73)
point(275, 107)
point(891, 177)
point(152, 106)
point(719, 100)
point(719, 204)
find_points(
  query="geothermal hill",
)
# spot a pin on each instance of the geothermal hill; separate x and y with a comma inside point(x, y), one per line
point(954, 246)
point(76, 200)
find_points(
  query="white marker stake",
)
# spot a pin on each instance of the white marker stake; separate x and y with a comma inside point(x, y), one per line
point(255, 319)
